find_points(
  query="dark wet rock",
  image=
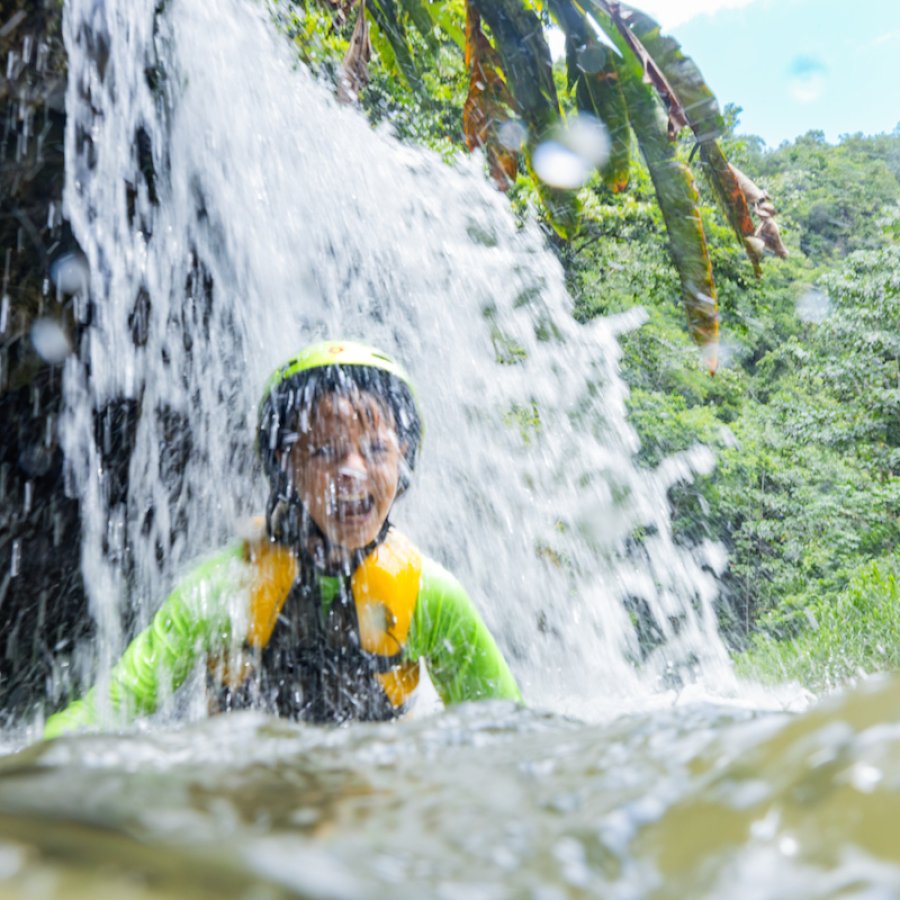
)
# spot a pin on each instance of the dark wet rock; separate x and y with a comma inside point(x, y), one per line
point(43, 611)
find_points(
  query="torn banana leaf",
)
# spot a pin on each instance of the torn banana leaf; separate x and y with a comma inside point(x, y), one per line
point(528, 67)
point(693, 95)
point(354, 74)
point(488, 103)
point(769, 233)
point(527, 64)
point(636, 57)
point(697, 104)
point(677, 196)
point(732, 199)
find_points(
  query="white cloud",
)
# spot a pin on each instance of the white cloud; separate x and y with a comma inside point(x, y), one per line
point(887, 37)
point(672, 13)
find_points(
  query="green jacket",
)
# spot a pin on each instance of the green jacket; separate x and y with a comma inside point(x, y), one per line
point(209, 612)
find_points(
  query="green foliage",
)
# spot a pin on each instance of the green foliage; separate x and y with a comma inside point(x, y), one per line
point(811, 489)
point(853, 633)
point(670, 425)
point(430, 116)
point(422, 98)
point(833, 197)
point(804, 413)
point(318, 39)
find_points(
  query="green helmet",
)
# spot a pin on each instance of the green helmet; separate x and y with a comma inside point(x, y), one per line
point(334, 353)
point(333, 366)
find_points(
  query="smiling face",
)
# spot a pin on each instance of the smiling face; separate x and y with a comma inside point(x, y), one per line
point(346, 467)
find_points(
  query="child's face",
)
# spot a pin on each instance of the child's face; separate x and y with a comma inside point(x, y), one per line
point(346, 467)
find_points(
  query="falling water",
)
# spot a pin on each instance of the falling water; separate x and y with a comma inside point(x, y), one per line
point(231, 212)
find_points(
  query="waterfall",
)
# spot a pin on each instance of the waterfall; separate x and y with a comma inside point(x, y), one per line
point(232, 212)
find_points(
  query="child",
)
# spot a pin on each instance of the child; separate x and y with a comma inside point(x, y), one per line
point(326, 617)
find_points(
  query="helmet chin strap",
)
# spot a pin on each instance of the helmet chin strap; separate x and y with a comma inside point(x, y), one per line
point(288, 523)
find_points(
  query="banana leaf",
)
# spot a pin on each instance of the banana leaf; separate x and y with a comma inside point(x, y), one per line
point(677, 196)
point(701, 109)
point(528, 66)
point(446, 15)
point(770, 235)
point(562, 207)
point(418, 15)
point(488, 103)
point(527, 63)
point(386, 16)
point(592, 71)
point(704, 118)
point(601, 93)
point(636, 57)
point(731, 198)
point(686, 90)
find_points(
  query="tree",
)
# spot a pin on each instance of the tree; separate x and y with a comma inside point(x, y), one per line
point(643, 88)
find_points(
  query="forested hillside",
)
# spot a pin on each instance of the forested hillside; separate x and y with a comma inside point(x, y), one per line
point(804, 410)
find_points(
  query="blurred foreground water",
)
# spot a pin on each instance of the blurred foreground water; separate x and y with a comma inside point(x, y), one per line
point(690, 799)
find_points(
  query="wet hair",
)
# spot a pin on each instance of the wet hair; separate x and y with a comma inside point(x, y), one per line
point(286, 413)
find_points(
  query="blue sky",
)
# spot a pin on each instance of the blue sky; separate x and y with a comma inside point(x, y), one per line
point(795, 65)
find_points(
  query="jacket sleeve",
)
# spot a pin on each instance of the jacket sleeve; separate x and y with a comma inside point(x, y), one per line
point(464, 661)
point(195, 619)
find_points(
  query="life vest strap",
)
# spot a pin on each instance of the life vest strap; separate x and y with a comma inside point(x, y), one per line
point(275, 571)
point(385, 589)
point(400, 682)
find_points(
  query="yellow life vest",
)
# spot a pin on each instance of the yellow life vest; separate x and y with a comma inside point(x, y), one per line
point(385, 588)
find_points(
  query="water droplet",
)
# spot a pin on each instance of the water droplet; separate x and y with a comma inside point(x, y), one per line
point(788, 846)
point(4, 314)
point(50, 340)
point(865, 778)
point(512, 134)
point(36, 460)
point(14, 560)
point(571, 152)
point(559, 166)
point(813, 306)
point(70, 272)
point(592, 58)
point(13, 859)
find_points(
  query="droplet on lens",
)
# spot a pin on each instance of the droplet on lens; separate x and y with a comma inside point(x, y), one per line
point(50, 340)
point(69, 272)
point(571, 152)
